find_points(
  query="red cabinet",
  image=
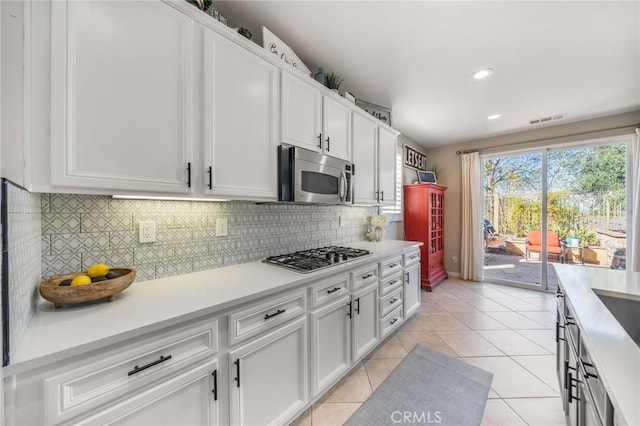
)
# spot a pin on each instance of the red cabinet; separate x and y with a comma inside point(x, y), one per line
point(424, 221)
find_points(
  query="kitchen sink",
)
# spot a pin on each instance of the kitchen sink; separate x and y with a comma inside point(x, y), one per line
point(626, 311)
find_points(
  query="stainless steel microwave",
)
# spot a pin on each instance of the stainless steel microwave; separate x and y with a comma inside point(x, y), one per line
point(309, 177)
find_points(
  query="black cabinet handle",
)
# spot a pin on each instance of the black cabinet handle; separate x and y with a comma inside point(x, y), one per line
point(393, 321)
point(333, 290)
point(393, 265)
point(584, 366)
point(215, 385)
point(237, 378)
point(382, 195)
point(210, 172)
point(377, 197)
point(364, 277)
point(559, 293)
point(558, 327)
point(406, 276)
point(328, 143)
point(320, 141)
point(189, 175)
point(137, 369)
point(358, 306)
point(278, 312)
point(393, 282)
point(349, 313)
point(570, 396)
point(392, 301)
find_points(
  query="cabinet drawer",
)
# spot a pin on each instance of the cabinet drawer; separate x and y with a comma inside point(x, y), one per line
point(364, 276)
point(390, 302)
point(391, 322)
point(390, 284)
point(266, 315)
point(329, 289)
point(390, 266)
point(411, 258)
point(93, 381)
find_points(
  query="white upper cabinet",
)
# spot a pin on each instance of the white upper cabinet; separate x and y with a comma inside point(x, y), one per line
point(241, 112)
point(365, 141)
point(301, 121)
point(336, 129)
point(121, 96)
point(374, 158)
point(312, 120)
point(387, 145)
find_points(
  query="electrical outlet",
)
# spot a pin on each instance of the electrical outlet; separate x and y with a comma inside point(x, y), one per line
point(146, 231)
point(340, 221)
point(454, 259)
point(221, 228)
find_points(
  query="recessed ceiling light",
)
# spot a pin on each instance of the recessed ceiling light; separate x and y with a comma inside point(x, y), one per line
point(483, 73)
point(494, 116)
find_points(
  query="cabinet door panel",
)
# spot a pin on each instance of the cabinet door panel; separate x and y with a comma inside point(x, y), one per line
point(387, 142)
point(160, 405)
point(365, 317)
point(301, 121)
point(330, 343)
point(240, 121)
point(411, 291)
point(121, 95)
point(365, 135)
point(337, 129)
point(273, 377)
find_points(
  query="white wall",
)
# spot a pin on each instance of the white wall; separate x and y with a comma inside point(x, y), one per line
point(449, 162)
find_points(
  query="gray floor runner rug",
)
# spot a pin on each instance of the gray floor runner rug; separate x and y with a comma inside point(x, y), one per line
point(427, 387)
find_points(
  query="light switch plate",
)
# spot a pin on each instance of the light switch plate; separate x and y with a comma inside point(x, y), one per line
point(221, 228)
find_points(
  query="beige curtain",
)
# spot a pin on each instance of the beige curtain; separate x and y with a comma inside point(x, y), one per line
point(634, 244)
point(471, 253)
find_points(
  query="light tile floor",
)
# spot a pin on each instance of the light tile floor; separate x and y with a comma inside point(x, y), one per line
point(507, 331)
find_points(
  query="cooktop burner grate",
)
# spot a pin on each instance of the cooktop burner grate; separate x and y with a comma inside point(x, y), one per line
point(314, 259)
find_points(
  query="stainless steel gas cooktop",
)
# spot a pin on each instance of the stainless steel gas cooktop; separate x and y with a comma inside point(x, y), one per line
point(311, 260)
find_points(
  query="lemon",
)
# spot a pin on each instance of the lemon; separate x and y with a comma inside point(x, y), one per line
point(80, 280)
point(98, 270)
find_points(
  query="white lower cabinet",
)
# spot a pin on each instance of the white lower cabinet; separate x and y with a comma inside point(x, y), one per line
point(365, 320)
point(411, 290)
point(195, 391)
point(268, 378)
point(330, 343)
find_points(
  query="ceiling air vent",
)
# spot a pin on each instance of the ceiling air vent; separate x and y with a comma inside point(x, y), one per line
point(548, 119)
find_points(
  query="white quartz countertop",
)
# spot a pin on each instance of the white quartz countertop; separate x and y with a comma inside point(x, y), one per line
point(613, 352)
point(56, 334)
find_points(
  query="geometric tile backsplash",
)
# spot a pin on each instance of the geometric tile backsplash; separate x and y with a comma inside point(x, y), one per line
point(23, 255)
point(79, 230)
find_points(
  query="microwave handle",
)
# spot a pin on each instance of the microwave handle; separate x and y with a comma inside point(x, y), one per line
point(343, 186)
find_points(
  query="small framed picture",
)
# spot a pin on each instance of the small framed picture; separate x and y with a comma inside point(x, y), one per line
point(426, 177)
point(349, 96)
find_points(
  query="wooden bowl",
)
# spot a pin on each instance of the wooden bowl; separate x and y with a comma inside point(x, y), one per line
point(66, 295)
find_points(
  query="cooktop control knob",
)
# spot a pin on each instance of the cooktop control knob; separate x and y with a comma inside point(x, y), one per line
point(345, 257)
point(336, 258)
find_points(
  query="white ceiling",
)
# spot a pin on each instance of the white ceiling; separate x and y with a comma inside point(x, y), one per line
point(579, 58)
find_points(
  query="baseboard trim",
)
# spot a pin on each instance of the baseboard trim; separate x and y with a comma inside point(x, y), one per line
point(454, 274)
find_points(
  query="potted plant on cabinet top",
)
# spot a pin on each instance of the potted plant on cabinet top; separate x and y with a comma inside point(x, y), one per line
point(333, 81)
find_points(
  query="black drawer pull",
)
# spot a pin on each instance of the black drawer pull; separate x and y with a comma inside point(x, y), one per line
point(237, 378)
point(392, 301)
point(210, 172)
point(137, 369)
point(189, 175)
point(570, 396)
point(215, 385)
point(393, 321)
point(358, 306)
point(413, 257)
point(393, 282)
point(278, 312)
point(364, 277)
point(584, 366)
point(349, 313)
point(333, 290)
point(393, 265)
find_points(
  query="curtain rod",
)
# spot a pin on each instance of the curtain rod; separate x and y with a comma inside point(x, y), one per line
point(550, 138)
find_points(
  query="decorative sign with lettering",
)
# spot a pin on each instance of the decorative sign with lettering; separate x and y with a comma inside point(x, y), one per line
point(381, 113)
point(278, 48)
point(414, 159)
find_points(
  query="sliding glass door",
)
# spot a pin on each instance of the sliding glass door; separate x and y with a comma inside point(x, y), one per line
point(554, 205)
